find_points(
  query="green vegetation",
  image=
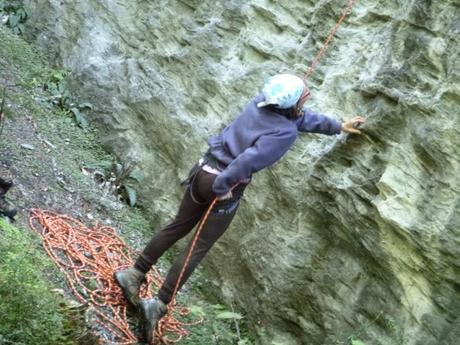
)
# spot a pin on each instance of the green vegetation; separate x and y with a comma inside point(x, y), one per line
point(61, 123)
point(18, 59)
point(220, 326)
point(57, 116)
point(29, 313)
point(16, 14)
point(363, 335)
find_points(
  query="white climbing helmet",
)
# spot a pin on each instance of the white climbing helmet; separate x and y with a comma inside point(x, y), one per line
point(282, 90)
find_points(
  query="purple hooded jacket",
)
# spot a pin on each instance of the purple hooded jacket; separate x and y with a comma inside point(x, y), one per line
point(259, 137)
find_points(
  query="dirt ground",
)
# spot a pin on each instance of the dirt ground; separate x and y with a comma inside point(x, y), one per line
point(42, 179)
point(52, 161)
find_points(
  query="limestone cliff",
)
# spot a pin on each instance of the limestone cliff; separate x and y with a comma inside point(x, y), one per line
point(345, 233)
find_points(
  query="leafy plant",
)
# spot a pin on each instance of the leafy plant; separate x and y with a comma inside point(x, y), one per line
point(357, 342)
point(220, 326)
point(16, 15)
point(56, 85)
point(117, 178)
point(125, 177)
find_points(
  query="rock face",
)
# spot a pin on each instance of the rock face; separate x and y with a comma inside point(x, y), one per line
point(347, 236)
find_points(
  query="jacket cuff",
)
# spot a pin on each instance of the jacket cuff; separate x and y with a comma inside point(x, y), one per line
point(336, 127)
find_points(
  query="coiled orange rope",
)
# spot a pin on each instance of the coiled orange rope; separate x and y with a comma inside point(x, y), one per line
point(88, 257)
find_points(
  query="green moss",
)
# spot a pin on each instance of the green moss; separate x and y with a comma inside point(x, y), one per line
point(29, 311)
point(26, 63)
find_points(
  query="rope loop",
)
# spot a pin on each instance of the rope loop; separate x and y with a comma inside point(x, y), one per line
point(88, 257)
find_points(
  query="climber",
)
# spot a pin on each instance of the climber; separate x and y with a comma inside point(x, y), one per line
point(256, 139)
point(6, 210)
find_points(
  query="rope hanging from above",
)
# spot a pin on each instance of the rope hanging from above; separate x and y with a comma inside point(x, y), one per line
point(328, 40)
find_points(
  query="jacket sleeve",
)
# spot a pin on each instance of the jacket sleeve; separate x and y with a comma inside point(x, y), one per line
point(317, 123)
point(267, 150)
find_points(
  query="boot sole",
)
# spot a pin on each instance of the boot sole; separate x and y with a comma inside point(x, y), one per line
point(145, 325)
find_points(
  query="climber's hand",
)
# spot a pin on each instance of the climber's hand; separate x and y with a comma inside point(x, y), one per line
point(351, 126)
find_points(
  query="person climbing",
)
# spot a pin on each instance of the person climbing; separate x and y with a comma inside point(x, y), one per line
point(256, 139)
point(6, 210)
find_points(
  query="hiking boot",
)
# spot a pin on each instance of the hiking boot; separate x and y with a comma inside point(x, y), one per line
point(6, 209)
point(5, 186)
point(151, 311)
point(130, 281)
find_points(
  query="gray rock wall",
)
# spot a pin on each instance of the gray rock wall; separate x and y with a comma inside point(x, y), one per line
point(347, 235)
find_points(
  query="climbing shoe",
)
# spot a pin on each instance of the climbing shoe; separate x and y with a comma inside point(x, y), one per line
point(151, 311)
point(6, 209)
point(130, 281)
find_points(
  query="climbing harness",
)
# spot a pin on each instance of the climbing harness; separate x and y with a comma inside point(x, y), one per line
point(191, 180)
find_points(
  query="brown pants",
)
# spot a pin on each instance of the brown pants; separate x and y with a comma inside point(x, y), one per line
point(195, 202)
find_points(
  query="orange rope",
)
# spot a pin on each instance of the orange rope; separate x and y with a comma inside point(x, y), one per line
point(192, 247)
point(88, 258)
point(328, 40)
